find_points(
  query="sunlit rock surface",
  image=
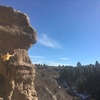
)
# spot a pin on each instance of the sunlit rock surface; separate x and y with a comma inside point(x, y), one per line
point(16, 36)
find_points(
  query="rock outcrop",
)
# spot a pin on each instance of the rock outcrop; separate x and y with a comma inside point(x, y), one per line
point(16, 37)
point(48, 94)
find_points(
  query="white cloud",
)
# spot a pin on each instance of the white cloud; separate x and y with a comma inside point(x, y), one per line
point(64, 59)
point(55, 64)
point(42, 60)
point(47, 41)
point(52, 63)
point(37, 57)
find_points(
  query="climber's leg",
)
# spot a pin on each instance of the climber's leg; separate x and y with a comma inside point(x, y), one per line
point(7, 63)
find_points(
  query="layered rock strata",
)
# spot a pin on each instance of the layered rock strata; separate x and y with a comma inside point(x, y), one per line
point(16, 37)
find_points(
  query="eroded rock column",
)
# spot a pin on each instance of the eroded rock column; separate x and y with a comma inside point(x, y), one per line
point(16, 37)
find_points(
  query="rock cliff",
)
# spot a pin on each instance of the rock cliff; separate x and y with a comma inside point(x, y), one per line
point(16, 37)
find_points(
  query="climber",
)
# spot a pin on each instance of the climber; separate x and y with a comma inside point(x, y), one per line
point(6, 59)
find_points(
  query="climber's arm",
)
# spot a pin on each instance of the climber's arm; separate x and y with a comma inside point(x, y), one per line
point(11, 55)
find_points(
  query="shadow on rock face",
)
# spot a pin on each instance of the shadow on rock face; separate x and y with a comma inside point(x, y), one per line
point(16, 73)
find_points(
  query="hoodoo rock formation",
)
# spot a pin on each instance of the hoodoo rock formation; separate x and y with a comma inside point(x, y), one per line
point(16, 37)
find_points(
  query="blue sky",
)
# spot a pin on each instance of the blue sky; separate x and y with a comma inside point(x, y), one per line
point(68, 30)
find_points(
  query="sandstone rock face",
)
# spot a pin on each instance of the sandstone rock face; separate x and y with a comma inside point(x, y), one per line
point(16, 37)
point(15, 30)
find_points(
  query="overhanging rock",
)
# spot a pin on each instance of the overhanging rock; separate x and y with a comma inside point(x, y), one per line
point(16, 37)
